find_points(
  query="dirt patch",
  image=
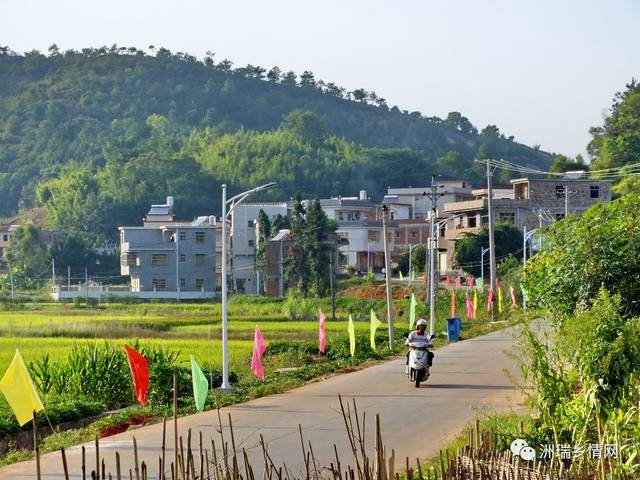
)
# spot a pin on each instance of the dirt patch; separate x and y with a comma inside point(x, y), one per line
point(376, 292)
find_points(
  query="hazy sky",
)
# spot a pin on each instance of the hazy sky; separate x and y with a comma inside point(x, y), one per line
point(542, 70)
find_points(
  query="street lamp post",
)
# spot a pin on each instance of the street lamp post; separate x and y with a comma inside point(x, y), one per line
point(233, 202)
point(482, 252)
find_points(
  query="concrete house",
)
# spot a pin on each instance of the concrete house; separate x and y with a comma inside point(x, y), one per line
point(168, 258)
point(358, 224)
point(244, 243)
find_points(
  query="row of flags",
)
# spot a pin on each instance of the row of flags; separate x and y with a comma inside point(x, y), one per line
point(21, 395)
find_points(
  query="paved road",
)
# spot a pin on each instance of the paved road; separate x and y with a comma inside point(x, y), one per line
point(415, 422)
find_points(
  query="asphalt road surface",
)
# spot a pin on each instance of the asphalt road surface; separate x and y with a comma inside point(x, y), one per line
point(466, 376)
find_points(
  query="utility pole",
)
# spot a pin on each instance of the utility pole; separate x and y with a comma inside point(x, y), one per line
point(387, 275)
point(492, 245)
point(69, 277)
point(225, 385)
point(333, 293)
point(53, 272)
point(281, 283)
point(433, 196)
point(178, 265)
point(410, 255)
point(11, 280)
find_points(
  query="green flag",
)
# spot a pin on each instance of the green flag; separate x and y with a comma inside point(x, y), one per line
point(375, 323)
point(412, 311)
point(200, 385)
point(352, 336)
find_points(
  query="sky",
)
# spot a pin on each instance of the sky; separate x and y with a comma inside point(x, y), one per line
point(543, 71)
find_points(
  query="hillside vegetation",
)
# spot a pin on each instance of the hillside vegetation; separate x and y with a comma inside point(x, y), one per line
point(171, 124)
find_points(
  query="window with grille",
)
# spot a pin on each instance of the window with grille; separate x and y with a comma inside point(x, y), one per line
point(183, 283)
point(199, 259)
point(159, 260)
point(183, 258)
point(199, 282)
point(183, 235)
point(199, 237)
point(131, 259)
point(159, 283)
point(595, 191)
point(559, 191)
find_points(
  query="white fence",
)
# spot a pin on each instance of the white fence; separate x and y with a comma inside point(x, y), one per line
point(104, 292)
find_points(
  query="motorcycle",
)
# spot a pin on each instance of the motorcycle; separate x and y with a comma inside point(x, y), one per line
point(419, 361)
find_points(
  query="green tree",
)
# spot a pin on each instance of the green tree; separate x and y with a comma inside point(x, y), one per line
point(508, 241)
point(318, 247)
point(297, 274)
point(264, 234)
point(617, 143)
point(27, 255)
point(305, 125)
point(561, 164)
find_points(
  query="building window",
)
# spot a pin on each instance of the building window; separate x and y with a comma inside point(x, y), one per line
point(199, 259)
point(595, 191)
point(413, 235)
point(507, 217)
point(159, 260)
point(250, 243)
point(159, 283)
point(471, 222)
point(251, 223)
point(199, 237)
point(131, 260)
point(442, 230)
point(373, 236)
point(183, 283)
point(183, 258)
point(5, 237)
point(183, 235)
point(559, 191)
point(397, 234)
point(199, 283)
point(559, 216)
point(340, 216)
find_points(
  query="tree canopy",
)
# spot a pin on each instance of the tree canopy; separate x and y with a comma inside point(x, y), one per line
point(134, 112)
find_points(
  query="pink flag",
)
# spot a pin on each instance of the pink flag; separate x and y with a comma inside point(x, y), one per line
point(472, 281)
point(259, 346)
point(447, 281)
point(490, 300)
point(513, 296)
point(470, 312)
point(458, 282)
point(322, 334)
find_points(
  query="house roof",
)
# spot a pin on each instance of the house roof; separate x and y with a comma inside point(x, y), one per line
point(346, 202)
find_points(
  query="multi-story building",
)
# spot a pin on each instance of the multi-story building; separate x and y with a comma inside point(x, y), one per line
point(360, 230)
point(418, 201)
point(244, 242)
point(533, 202)
point(169, 258)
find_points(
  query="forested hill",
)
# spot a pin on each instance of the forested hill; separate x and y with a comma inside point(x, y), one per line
point(92, 107)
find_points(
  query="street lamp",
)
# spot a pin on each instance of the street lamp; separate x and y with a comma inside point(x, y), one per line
point(482, 252)
point(233, 202)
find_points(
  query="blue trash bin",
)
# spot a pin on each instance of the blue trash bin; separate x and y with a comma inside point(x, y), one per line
point(454, 326)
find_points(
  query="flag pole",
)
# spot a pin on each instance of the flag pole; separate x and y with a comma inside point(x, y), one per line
point(36, 447)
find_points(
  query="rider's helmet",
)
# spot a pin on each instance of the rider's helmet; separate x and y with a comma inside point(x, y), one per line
point(422, 321)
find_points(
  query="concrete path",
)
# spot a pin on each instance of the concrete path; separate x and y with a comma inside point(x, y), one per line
point(415, 422)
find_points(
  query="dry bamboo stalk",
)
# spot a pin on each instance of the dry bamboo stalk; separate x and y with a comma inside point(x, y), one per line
point(118, 476)
point(64, 464)
point(419, 468)
point(102, 470)
point(84, 464)
point(97, 456)
point(135, 458)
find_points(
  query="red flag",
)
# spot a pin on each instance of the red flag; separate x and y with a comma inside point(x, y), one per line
point(490, 300)
point(513, 296)
point(259, 347)
point(458, 282)
point(447, 281)
point(453, 303)
point(472, 281)
point(139, 373)
point(470, 311)
point(322, 334)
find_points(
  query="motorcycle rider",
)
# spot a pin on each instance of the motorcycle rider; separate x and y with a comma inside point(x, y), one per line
point(420, 335)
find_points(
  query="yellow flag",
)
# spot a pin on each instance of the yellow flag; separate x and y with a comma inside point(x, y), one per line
point(475, 303)
point(401, 276)
point(18, 389)
point(352, 336)
point(412, 311)
point(499, 299)
point(375, 323)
